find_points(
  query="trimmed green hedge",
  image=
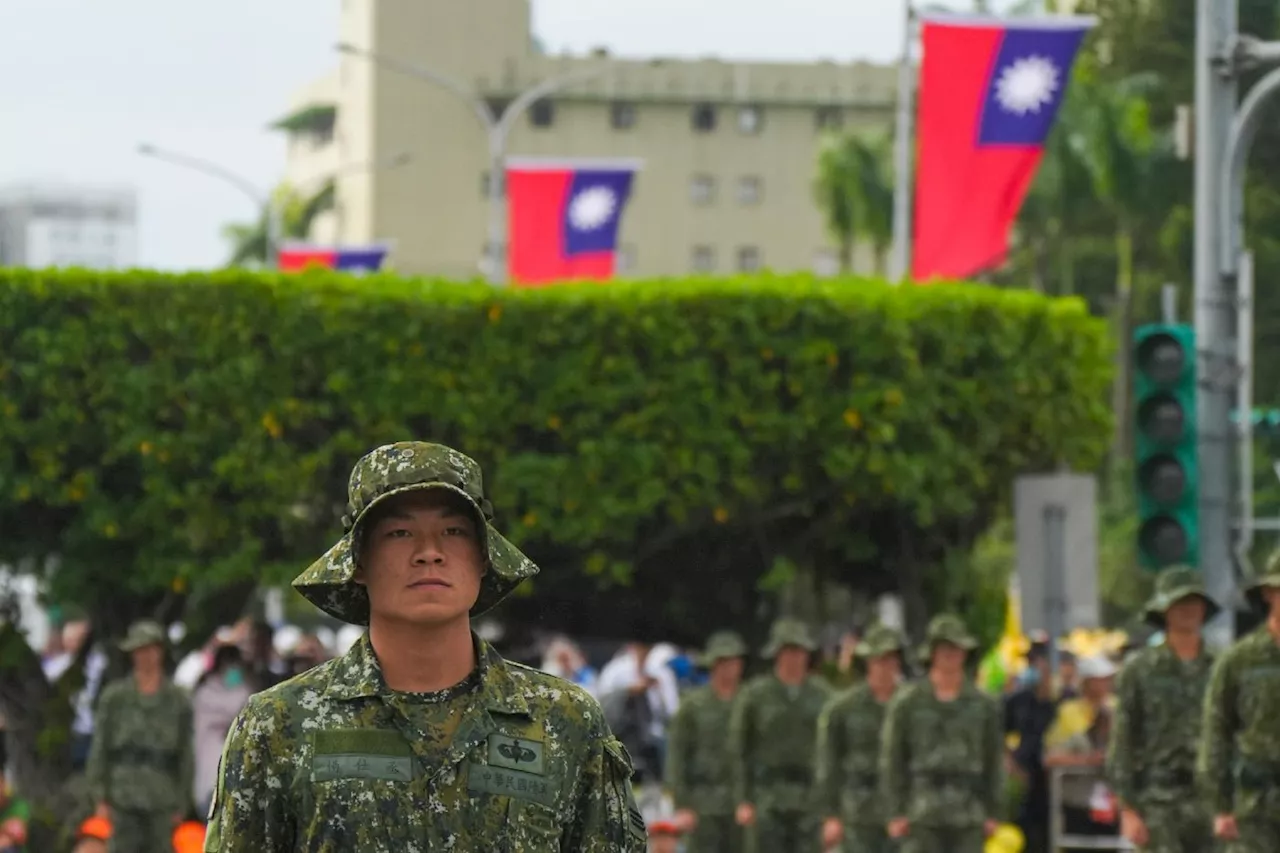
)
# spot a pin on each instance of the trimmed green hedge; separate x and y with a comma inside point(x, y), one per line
point(161, 428)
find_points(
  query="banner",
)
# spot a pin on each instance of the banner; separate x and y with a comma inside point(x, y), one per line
point(294, 257)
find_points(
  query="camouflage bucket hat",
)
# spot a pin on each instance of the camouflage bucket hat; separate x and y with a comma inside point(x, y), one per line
point(879, 640)
point(789, 632)
point(1270, 577)
point(1173, 585)
point(945, 628)
point(143, 633)
point(396, 469)
point(722, 645)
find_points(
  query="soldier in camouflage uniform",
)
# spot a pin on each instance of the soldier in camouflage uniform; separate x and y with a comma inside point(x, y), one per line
point(772, 737)
point(1239, 760)
point(942, 752)
point(142, 762)
point(1152, 751)
point(421, 737)
point(848, 760)
point(698, 766)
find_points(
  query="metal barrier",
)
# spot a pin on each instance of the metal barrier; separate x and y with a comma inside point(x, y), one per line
point(1059, 840)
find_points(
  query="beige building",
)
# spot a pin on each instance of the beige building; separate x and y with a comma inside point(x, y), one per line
point(729, 149)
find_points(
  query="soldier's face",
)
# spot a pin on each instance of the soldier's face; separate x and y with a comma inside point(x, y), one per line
point(727, 670)
point(884, 669)
point(948, 657)
point(1185, 615)
point(147, 657)
point(421, 559)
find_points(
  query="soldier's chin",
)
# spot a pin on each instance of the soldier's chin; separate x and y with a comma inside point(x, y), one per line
point(433, 610)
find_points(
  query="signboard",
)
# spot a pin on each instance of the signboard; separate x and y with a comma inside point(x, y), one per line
point(1056, 531)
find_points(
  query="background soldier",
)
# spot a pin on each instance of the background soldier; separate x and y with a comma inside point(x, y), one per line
point(772, 739)
point(848, 778)
point(1152, 752)
point(698, 765)
point(1239, 762)
point(142, 765)
point(941, 758)
point(421, 737)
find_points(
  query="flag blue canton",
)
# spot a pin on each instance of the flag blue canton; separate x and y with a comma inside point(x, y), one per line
point(1026, 85)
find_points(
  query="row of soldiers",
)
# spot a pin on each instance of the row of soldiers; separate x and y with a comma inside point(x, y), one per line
point(783, 765)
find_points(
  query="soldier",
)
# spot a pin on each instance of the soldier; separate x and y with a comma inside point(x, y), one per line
point(1239, 760)
point(848, 778)
point(421, 737)
point(142, 762)
point(772, 737)
point(698, 766)
point(1152, 751)
point(941, 756)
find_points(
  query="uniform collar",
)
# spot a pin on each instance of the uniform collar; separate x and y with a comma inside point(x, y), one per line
point(357, 674)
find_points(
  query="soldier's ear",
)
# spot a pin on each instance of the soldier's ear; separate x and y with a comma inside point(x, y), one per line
point(358, 576)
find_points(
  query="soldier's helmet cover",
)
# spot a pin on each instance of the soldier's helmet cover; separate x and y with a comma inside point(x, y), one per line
point(1173, 585)
point(879, 640)
point(949, 629)
point(143, 633)
point(788, 632)
point(383, 474)
point(720, 646)
point(1270, 577)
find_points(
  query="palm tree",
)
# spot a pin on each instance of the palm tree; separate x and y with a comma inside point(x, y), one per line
point(855, 195)
point(297, 214)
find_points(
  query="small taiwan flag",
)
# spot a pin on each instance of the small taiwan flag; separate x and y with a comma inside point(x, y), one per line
point(990, 90)
point(564, 218)
point(293, 257)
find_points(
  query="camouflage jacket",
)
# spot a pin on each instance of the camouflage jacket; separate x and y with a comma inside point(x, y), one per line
point(1239, 760)
point(848, 759)
point(941, 763)
point(143, 752)
point(512, 758)
point(697, 764)
point(1151, 753)
point(771, 740)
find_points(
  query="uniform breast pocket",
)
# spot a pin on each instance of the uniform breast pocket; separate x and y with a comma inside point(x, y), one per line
point(1260, 694)
point(362, 782)
point(520, 805)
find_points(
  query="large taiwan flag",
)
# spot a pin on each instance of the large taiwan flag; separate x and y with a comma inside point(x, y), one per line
point(564, 217)
point(989, 93)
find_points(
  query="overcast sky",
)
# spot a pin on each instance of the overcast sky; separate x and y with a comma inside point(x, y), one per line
point(84, 81)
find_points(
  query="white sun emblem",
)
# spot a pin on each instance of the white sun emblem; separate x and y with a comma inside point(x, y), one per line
point(591, 208)
point(1027, 85)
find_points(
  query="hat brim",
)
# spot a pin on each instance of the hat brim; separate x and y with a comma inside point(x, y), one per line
point(1160, 604)
point(329, 583)
point(707, 661)
point(129, 646)
point(865, 651)
point(771, 650)
point(967, 644)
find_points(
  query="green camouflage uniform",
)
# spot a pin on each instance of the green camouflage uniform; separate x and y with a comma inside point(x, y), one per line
point(848, 759)
point(941, 763)
point(509, 759)
point(698, 767)
point(772, 737)
point(1239, 761)
point(1152, 752)
point(142, 761)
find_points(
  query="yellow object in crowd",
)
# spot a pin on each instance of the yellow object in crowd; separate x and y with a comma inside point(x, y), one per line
point(1006, 839)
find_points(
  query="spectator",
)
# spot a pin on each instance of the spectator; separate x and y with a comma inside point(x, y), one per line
point(1028, 712)
point(306, 654)
point(564, 659)
point(219, 696)
point(14, 814)
point(1077, 739)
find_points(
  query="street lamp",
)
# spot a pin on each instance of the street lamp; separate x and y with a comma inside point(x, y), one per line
point(270, 213)
point(497, 128)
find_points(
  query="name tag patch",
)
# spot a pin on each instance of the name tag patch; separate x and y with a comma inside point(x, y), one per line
point(487, 779)
point(326, 768)
point(515, 753)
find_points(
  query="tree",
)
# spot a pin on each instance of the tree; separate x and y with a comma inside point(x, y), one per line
point(855, 194)
point(298, 213)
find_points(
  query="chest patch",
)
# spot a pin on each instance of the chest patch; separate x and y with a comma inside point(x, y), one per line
point(487, 779)
point(514, 753)
point(361, 754)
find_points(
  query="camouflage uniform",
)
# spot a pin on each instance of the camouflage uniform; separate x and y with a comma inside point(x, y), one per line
point(848, 759)
point(1239, 760)
point(941, 763)
point(509, 759)
point(698, 766)
point(142, 762)
point(1152, 751)
point(772, 737)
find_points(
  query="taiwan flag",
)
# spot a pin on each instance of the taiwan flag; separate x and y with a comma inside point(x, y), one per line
point(563, 218)
point(294, 257)
point(989, 93)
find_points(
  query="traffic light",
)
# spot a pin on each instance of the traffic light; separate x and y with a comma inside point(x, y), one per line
point(1165, 402)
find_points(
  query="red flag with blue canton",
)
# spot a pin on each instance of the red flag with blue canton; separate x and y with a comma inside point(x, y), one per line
point(989, 93)
point(295, 257)
point(564, 218)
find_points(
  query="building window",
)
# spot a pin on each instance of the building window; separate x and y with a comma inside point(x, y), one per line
point(829, 118)
point(704, 118)
point(702, 189)
point(484, 185)
point(704, 259)
point(542, 113)
point(749, 189)
point(622, 115)
point(750, 120)
point(748, 259)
